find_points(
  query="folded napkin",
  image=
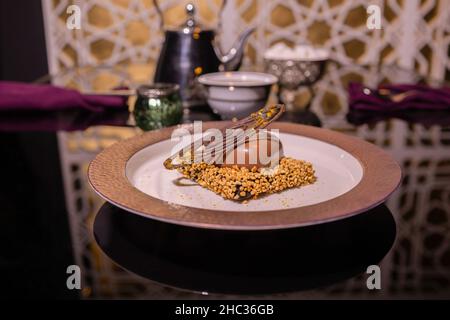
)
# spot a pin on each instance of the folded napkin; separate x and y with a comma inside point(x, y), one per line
point(24, 96)
point(423, 117)
point(398, 97)
point(67, 120)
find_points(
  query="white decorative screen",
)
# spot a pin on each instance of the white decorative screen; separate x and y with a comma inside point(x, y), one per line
point(414, 34)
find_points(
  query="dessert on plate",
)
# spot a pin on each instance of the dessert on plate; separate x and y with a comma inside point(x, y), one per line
point(249, 164)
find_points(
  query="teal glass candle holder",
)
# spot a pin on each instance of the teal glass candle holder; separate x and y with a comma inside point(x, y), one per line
point(157, 106)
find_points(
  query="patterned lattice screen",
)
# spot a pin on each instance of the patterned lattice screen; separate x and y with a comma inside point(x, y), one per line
point(415, 33)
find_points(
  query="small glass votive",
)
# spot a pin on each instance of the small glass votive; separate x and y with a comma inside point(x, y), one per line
point(158, 105)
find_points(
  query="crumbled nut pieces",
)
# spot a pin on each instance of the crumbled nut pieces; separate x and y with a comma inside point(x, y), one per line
point(240, 183)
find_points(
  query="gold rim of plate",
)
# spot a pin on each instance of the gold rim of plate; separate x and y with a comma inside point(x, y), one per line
point(381, 177)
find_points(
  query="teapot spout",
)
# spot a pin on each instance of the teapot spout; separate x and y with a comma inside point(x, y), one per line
point(231, 61)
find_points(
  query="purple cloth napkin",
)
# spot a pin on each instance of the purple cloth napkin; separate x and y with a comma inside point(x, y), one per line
point(423, 117)
point(418, 97)
point(67, 120)
point(23, 96)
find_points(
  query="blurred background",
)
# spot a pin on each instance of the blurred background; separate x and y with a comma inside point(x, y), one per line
point(125, 36)
point(415, 35)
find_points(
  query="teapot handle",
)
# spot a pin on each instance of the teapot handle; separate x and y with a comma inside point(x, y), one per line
point(159, 11)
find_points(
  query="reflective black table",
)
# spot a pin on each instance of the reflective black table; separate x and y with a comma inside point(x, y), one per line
point(51, 218)
point(259, 262)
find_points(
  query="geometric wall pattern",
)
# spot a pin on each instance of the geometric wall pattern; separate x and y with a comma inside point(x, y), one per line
point(415, 33)
point(126, 35)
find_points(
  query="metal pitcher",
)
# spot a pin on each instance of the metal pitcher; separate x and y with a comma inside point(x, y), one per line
point(190, 51)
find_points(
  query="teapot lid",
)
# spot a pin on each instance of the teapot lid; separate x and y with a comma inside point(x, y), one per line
point(191, 25)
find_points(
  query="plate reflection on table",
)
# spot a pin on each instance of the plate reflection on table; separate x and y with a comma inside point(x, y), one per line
point(245, 262)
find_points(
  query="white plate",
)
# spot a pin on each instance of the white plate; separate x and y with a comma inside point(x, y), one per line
point(337, 172)
point(353, 176)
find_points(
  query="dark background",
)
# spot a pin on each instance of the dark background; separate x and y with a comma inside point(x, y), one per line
point(35, 247)
point(22, 40)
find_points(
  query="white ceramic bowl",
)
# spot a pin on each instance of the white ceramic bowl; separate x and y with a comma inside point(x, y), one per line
point(237, 94)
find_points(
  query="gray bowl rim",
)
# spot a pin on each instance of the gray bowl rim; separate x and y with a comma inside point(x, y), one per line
point(203, 79)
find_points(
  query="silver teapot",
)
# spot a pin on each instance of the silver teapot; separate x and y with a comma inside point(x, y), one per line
point(190, 51)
